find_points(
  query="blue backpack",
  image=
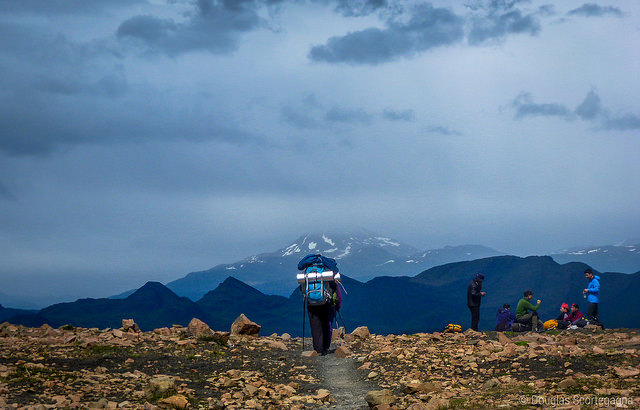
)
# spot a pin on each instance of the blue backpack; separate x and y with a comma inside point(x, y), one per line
point(317, 292)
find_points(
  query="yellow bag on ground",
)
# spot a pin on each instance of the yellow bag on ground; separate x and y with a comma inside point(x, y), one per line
point(451, 328)
point(550, 324)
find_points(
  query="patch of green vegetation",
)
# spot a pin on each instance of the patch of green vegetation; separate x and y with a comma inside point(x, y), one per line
point(522, 343)
point(102, 350)
point(526, 389)
point(509, 333)
point(68, 327)
point(460, 403)
point(552, 332)
point(211, 338)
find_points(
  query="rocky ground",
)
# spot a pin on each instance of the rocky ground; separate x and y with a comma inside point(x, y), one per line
point(194, 367)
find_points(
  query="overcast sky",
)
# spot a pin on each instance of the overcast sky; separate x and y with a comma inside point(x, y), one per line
point(142, 140)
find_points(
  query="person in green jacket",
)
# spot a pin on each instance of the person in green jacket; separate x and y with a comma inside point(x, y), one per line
point(526, 312)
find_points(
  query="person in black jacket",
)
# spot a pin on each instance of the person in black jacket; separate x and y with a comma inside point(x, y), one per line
point(474, 295)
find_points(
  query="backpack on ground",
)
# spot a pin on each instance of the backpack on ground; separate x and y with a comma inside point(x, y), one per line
point(452, 328)
point(550, 324)
point(520, 327)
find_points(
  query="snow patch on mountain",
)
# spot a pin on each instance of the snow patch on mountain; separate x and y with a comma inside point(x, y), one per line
point(328, 240)
point(345, 253)
point(291, 249)
point(386, 241)
point(312, 245)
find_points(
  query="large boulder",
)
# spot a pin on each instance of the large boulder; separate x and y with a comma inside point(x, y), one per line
point(129, 325)
point(362, 332)
point(160, 386)
point(243, 326)
point(378, 397)
point(197, 328)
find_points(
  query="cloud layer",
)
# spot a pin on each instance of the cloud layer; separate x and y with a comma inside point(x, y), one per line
point(142, 140)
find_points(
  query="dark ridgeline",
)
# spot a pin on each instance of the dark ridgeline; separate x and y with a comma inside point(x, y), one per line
point(152, 306)
point(425, 302)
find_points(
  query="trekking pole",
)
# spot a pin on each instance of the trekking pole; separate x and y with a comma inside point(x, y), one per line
point(343, 325)
point(342, 286)
point(304, 311)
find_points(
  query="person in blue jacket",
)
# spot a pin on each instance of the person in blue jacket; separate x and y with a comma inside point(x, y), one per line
point(592, 293)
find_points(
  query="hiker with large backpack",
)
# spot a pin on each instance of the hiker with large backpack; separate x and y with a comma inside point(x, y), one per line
point(318, 280)
point(526, 313)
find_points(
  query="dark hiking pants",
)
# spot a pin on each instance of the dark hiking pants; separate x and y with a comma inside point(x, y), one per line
point(475, 317)
point(531, 317)
point(320, 323)
point(592, 314)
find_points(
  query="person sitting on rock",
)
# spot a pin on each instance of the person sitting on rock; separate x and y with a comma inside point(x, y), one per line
point(576, 318)
point(562, 318)
point(526, 313)
point(504, 318)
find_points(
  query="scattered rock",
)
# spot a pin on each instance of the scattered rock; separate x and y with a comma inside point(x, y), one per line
point(503, 339)
point(177, 401)
point(278, 345)
point(568, 382)
point(243, 326)
point(377, 397)
point(416, 386)
point(309, 353)
point(626, 372)
point(342, 352)
point(491, 384)
point(362, 332)
point(130, 325)
point(160, 386)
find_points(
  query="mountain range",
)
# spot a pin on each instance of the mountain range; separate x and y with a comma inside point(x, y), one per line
point(361, 255)
point(424, 302)
point(623, 258)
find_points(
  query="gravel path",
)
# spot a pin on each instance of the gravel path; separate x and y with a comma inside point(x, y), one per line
point(344, 381)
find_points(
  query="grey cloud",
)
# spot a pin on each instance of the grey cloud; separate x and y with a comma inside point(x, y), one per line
point(39, 124)
point(498, 26)
point(299, 118)
point(623, 123)
point(55, 65)
point(49, 7)
point(311, 113)
point(590, 107)
point(214, 27)
point(525, 106)
point(547, 10)
point(392, 115)
point(427, 27)
point(438, 129)
point(358, 8)
point(351, 116)
point(595, 10)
